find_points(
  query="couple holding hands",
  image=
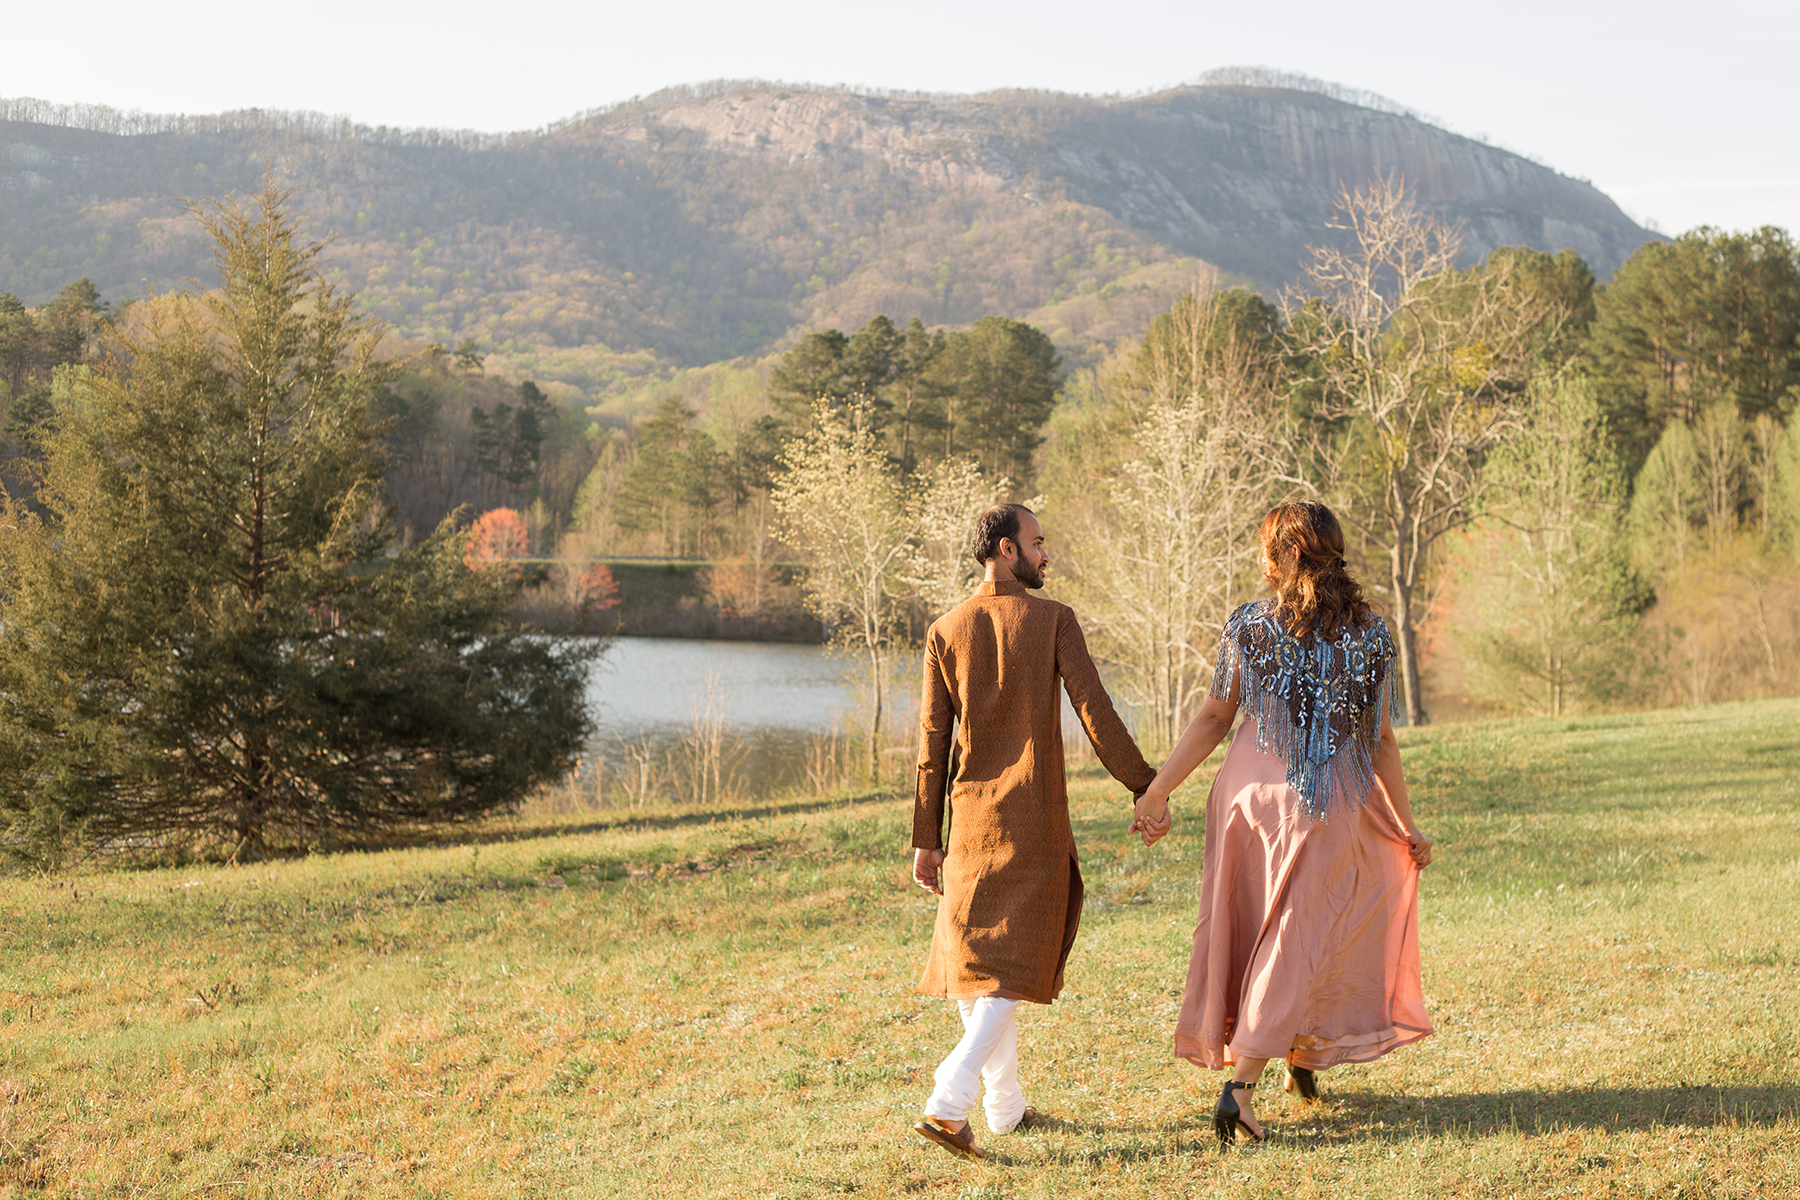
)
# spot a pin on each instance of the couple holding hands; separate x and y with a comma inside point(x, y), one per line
point(1307, 944)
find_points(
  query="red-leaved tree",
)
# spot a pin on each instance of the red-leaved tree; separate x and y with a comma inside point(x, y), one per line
point(597, 590)
point(496, 537)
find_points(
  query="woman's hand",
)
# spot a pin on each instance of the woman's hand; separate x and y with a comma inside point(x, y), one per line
point(1151, 818)
point(1419, 846)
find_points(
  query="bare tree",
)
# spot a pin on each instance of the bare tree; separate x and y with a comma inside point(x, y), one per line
point(941, 571)
point(843, 508)
point(1163, 545)
point(1416, 365)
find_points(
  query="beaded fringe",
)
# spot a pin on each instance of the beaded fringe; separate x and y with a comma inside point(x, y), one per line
point(1326, 781)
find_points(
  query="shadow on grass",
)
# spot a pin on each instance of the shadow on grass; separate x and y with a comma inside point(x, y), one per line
point(1351, 1118)
point(1602, 1109)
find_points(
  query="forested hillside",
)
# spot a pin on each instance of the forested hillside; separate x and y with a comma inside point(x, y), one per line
point(706, 223)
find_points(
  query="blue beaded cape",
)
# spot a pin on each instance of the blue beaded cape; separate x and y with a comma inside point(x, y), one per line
point(1317, 703)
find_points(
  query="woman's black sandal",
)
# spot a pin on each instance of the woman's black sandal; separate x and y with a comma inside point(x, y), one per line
point(1303, 1081)
point(1228, 1118)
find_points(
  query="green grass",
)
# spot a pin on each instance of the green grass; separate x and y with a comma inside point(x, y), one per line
point(720, 1004)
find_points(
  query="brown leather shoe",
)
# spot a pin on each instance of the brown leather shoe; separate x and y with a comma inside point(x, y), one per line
point(1030, 1118)
point(960, 1142)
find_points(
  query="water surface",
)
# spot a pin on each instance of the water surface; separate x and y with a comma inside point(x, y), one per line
point(695, 719)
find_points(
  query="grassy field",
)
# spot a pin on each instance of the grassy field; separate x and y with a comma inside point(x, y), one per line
point(719, 1004)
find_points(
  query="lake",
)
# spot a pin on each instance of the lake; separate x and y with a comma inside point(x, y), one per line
point(704, 720)
point(661, 684)
point(700, 720)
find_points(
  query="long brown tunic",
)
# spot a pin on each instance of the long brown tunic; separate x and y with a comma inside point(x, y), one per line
point(1012, 889)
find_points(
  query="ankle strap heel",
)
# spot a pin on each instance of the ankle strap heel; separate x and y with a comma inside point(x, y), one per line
point(1228, 1118)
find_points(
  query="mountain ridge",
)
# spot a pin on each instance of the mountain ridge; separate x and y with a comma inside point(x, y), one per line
point(718, 220)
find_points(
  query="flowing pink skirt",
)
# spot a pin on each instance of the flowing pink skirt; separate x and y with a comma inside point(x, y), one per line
point(1307, 944)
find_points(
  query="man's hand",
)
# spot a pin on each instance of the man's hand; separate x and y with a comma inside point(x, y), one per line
point(925, 869)
point(1151, 818)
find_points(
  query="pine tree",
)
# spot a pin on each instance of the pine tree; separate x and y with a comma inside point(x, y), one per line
point(1710, 316)
point(671, 486)
point(1005, 373)
point(202, 636)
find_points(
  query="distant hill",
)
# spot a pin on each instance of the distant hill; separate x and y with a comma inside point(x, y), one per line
point(709, 222)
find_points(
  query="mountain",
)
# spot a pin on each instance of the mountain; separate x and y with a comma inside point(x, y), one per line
point(723, 220)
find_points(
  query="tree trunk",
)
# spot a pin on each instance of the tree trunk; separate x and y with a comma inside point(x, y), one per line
point(906, 437)
point(875, 714)
point(1407, 641)
point(252, 792)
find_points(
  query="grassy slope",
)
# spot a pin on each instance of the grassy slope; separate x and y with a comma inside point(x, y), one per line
point(721, 1005)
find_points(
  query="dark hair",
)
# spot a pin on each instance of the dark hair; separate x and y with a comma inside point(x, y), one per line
point(1000, 521)
point(1316, 590)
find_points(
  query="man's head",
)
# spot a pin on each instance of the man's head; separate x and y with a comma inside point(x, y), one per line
point(1009, 542)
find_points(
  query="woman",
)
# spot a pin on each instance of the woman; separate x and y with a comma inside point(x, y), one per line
point(1307, 946)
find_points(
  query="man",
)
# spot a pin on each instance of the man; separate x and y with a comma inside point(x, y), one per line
point(1011, 891)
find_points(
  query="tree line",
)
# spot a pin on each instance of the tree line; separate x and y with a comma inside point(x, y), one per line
point(1564, 496)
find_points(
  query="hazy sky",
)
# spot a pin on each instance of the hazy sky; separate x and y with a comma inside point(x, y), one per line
point(1683, 113)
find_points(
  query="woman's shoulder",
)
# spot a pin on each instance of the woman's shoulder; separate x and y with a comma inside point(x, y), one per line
point(1251, 612)
point(1374, 632)
point(1253, 625)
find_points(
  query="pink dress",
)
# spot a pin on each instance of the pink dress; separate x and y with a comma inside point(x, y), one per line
point(1307, 943)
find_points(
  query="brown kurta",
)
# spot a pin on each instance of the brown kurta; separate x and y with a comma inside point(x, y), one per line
point(1012, 889)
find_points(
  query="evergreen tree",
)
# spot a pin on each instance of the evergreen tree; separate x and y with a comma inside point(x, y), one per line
point(813, 370)
point(20, 345)
point(836, 369)
point(1553, 605)
point(203, 637)
point(670, 487)
point(916, 395)
point(71, 320)
point(1005, 386)
point(872, 357)
point(1708, 317)
point(509, 441)
point(1202, 335)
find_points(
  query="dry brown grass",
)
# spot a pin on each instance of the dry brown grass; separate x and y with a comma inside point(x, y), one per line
point(718, 1003)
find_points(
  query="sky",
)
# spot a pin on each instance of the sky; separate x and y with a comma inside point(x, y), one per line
point(1683, 113)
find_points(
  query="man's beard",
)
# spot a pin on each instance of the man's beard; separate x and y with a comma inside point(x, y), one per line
point(1028, 573)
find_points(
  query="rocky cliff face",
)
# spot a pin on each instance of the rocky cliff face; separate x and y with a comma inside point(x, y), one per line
point(1243, 177)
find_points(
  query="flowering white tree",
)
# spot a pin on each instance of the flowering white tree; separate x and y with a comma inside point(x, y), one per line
point(1162, 546)
point(942, 571)
point(843, 508)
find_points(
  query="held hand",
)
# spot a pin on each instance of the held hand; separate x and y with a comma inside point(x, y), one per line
point(925, 869)
point(1419, 846)
point(1151, 818)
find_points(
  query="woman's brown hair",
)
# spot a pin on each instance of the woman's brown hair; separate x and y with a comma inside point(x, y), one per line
point(1303, 563)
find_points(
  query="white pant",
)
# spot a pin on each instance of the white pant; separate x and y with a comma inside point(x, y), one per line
point(988, 1054)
